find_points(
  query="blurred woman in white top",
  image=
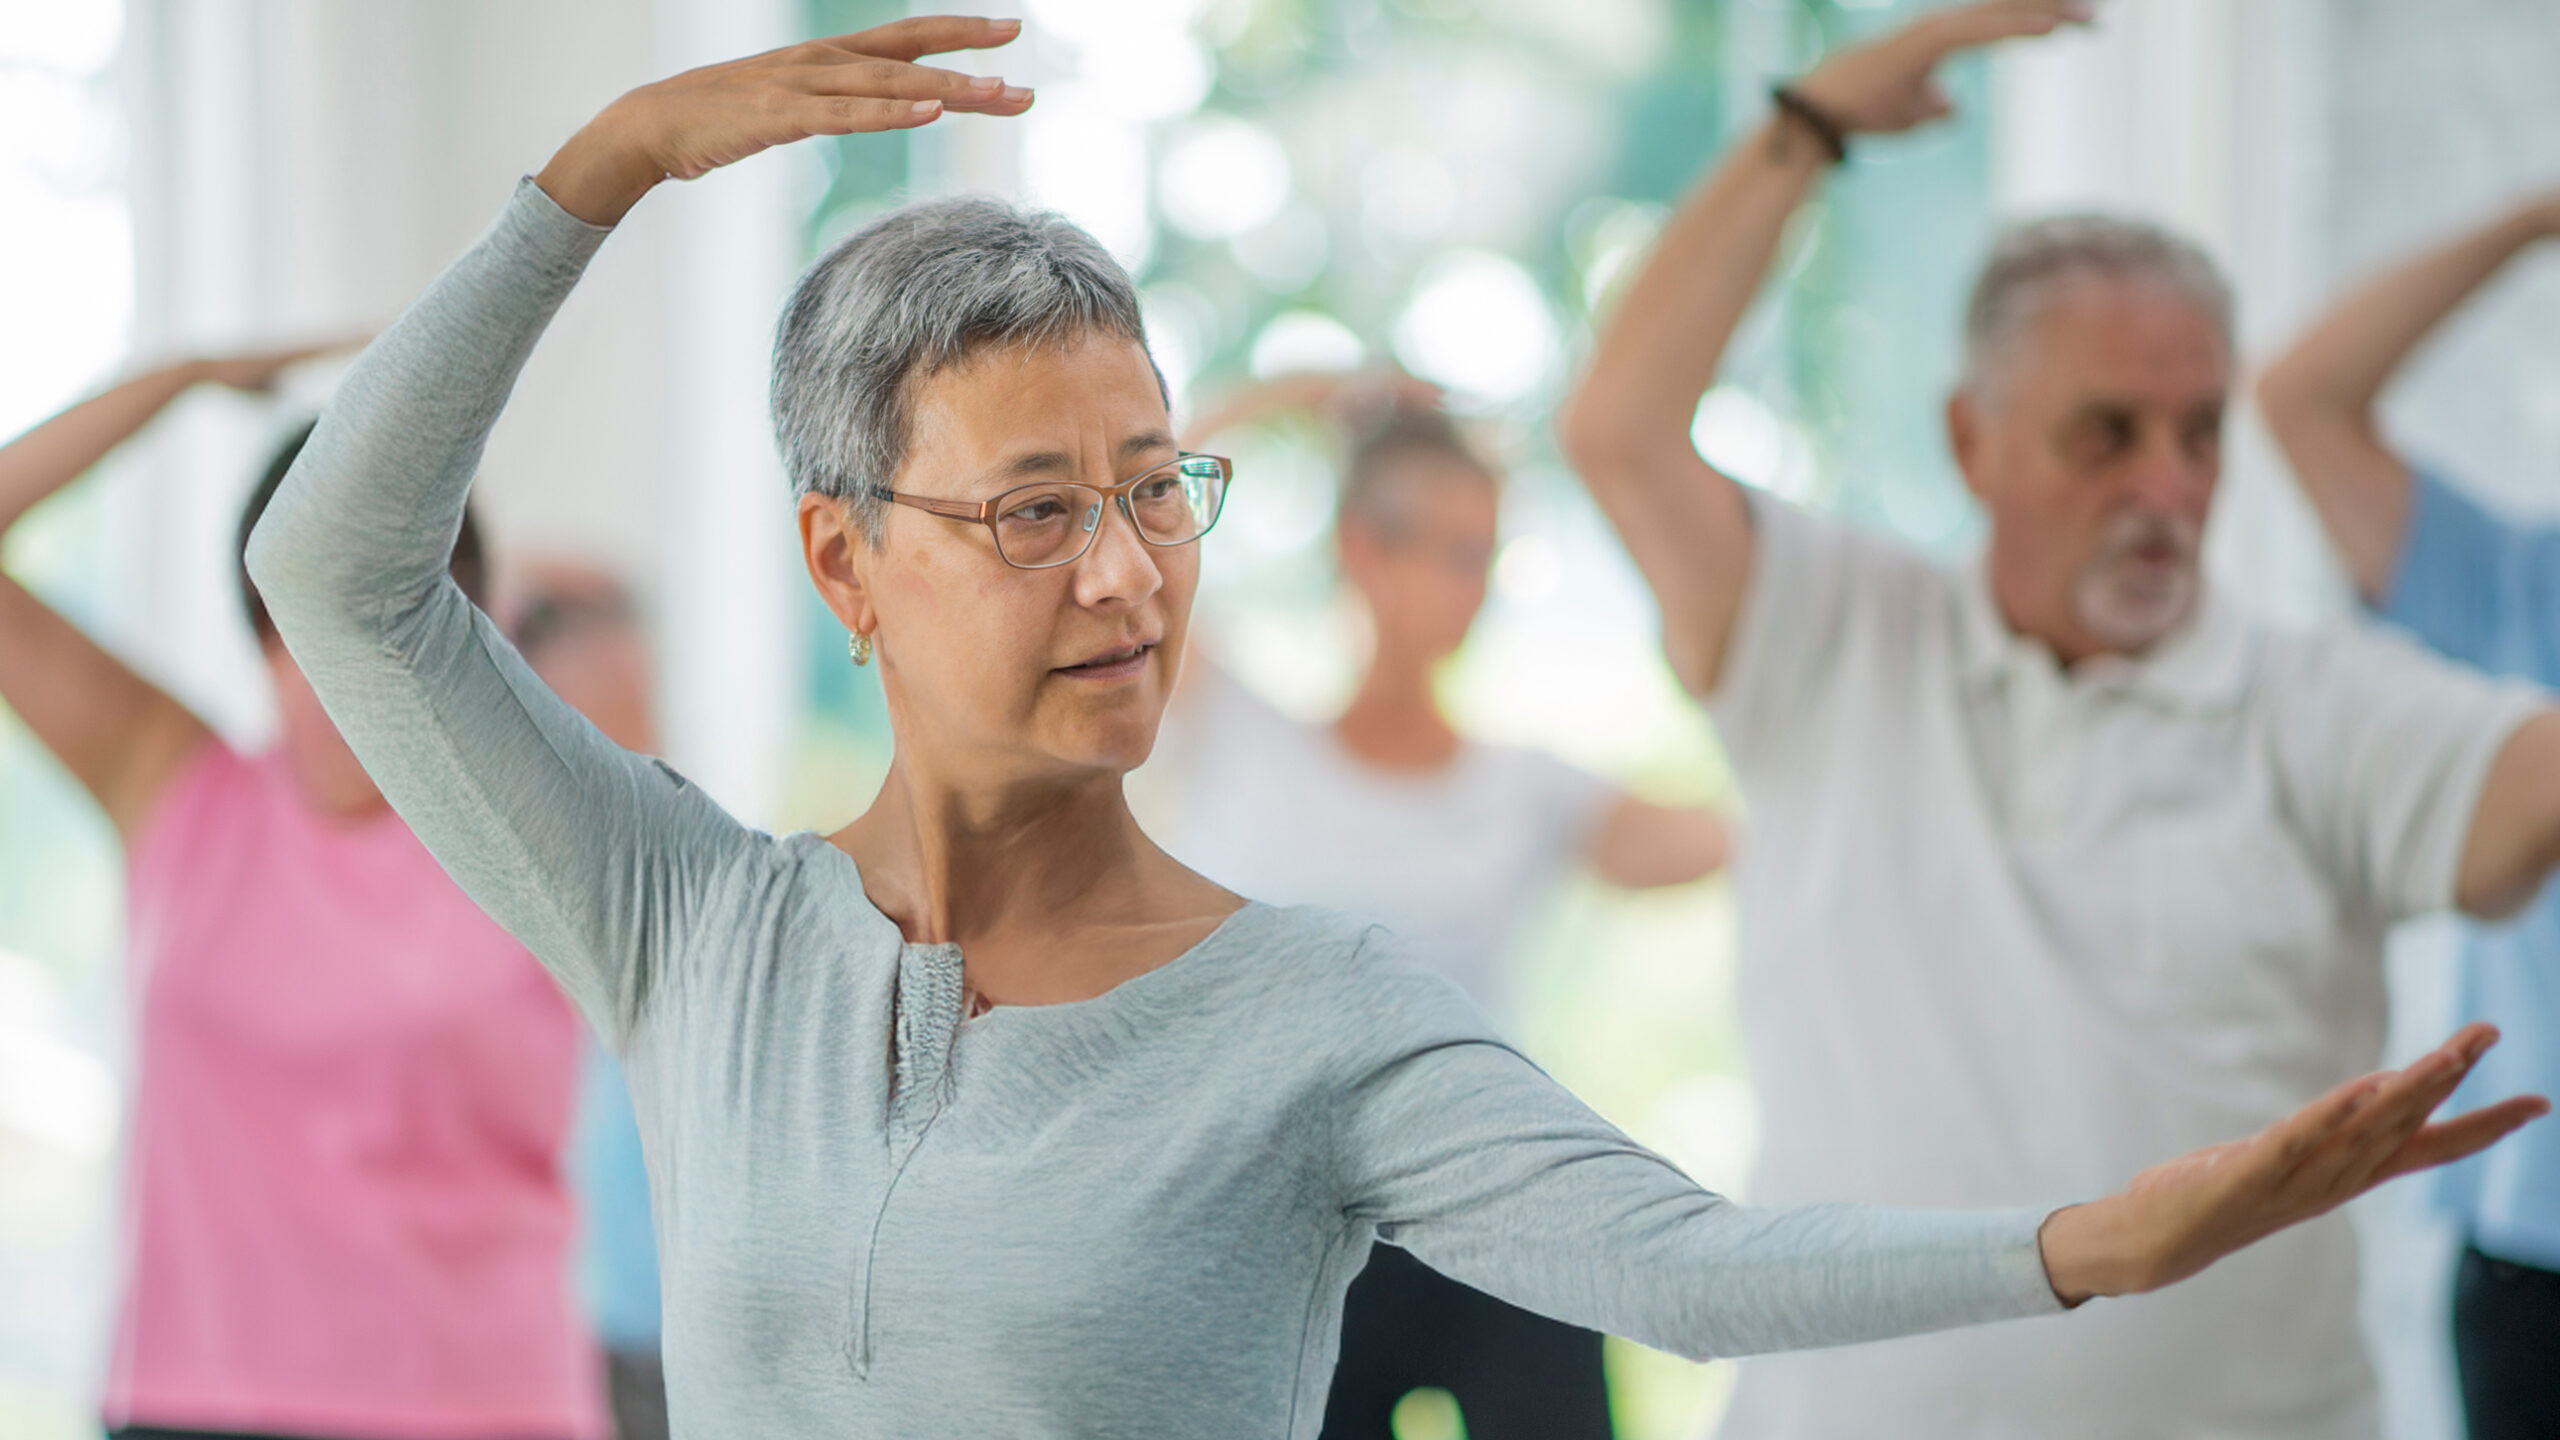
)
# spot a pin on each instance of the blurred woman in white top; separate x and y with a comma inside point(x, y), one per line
point(1391, 813)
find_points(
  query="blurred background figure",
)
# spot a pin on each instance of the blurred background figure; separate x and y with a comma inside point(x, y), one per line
point(1389, 812)
point(580, 630)
point(344, 1210)
point(2484, 589)
point(2058, 852)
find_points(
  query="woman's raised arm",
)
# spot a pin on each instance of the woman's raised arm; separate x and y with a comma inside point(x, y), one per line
point(596, 858)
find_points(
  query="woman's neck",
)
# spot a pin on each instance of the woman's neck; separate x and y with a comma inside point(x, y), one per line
point(948, 862)
point(1394, 720)
point(1050, 889)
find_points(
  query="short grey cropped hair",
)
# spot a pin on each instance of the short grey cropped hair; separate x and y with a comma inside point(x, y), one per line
point(919, 290)
point(2030, 263)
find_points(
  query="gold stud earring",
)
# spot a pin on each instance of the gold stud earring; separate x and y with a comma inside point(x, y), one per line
point(858, 646)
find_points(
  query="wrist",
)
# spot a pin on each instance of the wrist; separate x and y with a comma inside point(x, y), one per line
point(1819, 121)
point(2089, 1251)
point(600, 173)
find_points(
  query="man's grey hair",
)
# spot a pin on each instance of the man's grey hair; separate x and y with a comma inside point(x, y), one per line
point(917, 291)
point(2032, 263)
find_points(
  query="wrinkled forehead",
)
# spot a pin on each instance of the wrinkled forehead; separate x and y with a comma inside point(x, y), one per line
point(1040, 410)
point(2131, 341)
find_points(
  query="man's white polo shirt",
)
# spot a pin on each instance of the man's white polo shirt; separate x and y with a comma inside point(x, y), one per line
point(2010, 934)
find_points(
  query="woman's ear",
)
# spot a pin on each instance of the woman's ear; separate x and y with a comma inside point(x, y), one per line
point(831, 544)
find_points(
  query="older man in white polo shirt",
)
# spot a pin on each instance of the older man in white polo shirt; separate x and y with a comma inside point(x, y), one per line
point(2057, 863)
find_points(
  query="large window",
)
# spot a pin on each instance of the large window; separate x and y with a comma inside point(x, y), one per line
point(66, 291)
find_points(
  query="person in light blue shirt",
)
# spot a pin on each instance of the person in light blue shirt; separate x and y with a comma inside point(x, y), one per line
point(2484, 590)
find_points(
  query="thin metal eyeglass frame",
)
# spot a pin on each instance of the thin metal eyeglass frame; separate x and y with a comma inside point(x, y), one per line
point(984, 512)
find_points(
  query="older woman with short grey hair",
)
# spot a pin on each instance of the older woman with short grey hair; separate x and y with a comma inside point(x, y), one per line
point(981, 1115)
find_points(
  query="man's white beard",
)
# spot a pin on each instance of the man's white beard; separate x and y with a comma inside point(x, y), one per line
point(2129, 604)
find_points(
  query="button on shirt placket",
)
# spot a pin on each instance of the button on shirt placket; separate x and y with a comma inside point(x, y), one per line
point(2044, 746)
point(930, 998)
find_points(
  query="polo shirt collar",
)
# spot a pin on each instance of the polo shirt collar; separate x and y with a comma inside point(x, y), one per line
point(2202, 667)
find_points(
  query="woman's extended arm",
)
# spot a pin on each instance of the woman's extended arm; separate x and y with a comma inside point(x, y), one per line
point(2319, 396)
point(594, 857)
point(119, 735)
point(1465, 1154)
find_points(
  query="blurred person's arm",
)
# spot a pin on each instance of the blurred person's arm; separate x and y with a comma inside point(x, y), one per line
point(1640, 845)
point(1626, 426)
point(1322, 394)
point(2513, 844)
point(2318, 398)
point(122, 738)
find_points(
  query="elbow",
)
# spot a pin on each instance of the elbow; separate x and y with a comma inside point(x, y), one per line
point(1580, 436)
point(2290, 398)
point(274, 558)
point(302, 578)
point(1594, 441)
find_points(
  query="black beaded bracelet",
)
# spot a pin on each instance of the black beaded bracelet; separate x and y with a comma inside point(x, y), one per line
point(1824, 128)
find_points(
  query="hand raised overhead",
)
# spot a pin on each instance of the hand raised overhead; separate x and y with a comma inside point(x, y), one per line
point(2176, 1219)
point(1889, 83)
point(691, 124)
point(258, 370)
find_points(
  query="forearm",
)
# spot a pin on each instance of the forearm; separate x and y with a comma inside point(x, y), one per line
point(2342, 363)
point(1641, 846)
point(62, 449)
point(1666, 339)
point(2318, 399)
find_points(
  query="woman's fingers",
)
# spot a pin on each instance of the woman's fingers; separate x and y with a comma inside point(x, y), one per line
point(2399, 1108)
point(859, 115)
point(871, 77)
point(2463, 1135)
point(928, 35)
point(897, 80)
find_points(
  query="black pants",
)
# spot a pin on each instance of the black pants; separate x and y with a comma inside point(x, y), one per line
point(1516, 1376)
point(2506, 1341)
point(635, 1383)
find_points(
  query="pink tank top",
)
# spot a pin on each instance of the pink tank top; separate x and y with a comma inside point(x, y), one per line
point(346, 1212)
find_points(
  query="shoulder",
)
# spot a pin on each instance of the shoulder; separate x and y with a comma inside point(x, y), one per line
point(2324, 664)
point(1357, 989)
point(2342, 689)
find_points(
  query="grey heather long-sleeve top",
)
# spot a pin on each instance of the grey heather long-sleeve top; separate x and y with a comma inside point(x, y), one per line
point(1132, 1215)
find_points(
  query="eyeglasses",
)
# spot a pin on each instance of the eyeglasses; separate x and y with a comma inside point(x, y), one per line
point(1054, 522)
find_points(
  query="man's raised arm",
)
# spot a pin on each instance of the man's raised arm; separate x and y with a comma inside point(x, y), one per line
point(1626, 425)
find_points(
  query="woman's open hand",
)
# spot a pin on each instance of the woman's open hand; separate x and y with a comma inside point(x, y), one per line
point(1889, 83)
point(691, 124)
point(2176, 1219)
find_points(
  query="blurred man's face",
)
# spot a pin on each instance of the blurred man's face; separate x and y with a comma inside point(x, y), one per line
point(2094, 443)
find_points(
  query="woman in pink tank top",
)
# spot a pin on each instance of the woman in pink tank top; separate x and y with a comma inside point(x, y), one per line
point(345, 1212)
